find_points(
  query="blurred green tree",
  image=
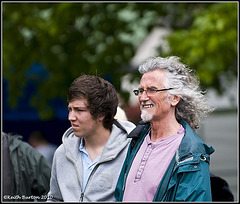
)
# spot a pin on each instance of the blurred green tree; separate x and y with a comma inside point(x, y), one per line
point(209, 45)
point(68, 39)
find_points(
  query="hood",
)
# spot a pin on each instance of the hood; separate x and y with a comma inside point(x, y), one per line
point(116, 142)
point(14, 141)
point(71, 144)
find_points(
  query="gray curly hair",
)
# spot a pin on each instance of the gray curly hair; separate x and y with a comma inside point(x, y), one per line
point(193, 105)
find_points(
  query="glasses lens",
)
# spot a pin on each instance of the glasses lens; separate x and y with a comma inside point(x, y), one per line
point(136, 92)
point(150, 91)
point(140, 91)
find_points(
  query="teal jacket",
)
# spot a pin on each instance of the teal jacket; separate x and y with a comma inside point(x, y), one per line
point(190, 179)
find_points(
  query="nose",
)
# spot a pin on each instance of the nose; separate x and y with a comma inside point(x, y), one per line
point(71, 116)
point(143, 96)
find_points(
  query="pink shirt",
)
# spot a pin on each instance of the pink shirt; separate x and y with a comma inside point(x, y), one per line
point(149, 167)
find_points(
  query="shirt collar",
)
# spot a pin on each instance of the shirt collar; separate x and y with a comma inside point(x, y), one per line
point(81, 146)
point(166, 139)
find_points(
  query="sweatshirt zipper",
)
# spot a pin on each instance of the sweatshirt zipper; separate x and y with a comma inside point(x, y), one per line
point(82, 193)
point(81, 198)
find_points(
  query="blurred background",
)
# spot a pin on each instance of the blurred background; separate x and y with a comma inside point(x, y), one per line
point(45, 46)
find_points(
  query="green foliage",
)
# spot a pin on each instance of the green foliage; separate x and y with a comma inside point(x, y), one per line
point(210, 44)
point(68, 39)
point(101, 38)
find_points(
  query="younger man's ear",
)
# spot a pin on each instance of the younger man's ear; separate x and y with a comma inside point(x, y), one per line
point(101, 118)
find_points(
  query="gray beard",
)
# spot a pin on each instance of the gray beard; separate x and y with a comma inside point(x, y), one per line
point(146, 117)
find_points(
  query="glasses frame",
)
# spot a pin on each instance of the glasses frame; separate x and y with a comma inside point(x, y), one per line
point(136, 91)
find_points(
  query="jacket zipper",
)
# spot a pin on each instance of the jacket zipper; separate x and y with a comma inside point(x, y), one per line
point(124, 182)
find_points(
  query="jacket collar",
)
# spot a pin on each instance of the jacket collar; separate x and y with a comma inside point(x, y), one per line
point(192, 144)
point(14, 141)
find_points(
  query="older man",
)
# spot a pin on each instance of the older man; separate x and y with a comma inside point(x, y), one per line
point(167, 160)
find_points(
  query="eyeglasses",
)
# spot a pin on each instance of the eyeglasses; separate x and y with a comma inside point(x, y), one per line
point(149, 91)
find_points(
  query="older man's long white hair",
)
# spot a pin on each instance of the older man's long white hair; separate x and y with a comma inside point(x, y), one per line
point(193, 104)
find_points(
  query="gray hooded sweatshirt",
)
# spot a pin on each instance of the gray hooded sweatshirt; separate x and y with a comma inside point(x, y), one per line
point(66, 176)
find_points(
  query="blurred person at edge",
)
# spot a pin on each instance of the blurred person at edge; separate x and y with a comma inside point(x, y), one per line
point(87, 164)
point(38, 140)
point(25, 172)
point(167, 160)
point(121, 114)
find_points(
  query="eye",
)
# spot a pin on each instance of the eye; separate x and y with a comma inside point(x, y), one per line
point(135, 92)
point(151, 90)
point(140, 90)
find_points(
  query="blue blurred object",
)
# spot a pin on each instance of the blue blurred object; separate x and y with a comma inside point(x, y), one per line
point(24, 119)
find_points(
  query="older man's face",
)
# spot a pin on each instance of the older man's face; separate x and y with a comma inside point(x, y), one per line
point(157, 106)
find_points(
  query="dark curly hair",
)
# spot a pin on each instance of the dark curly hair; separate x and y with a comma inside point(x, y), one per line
point(101, 96)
